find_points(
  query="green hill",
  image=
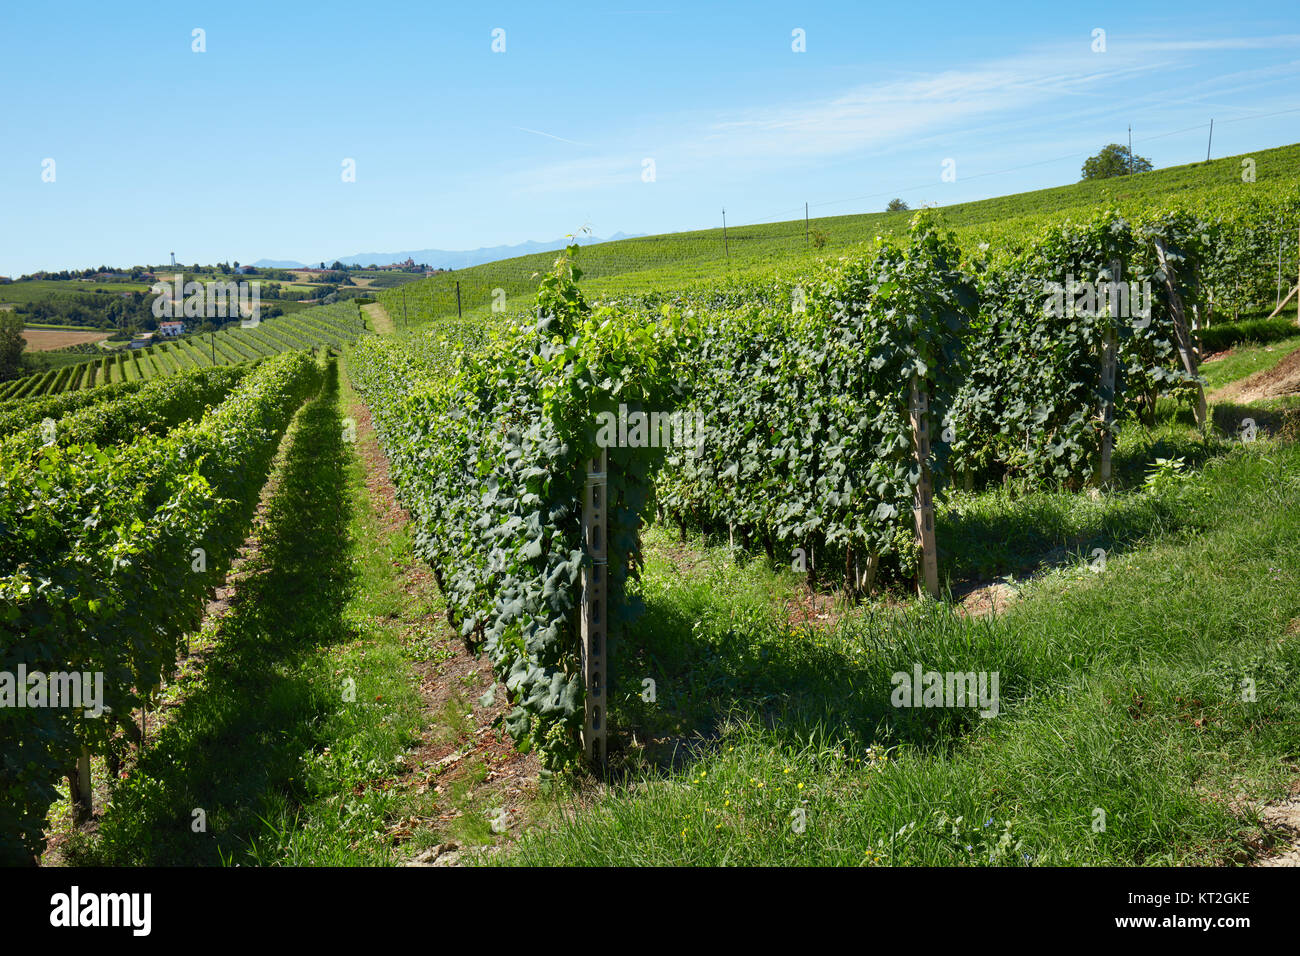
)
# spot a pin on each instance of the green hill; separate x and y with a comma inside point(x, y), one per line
point(676, 260)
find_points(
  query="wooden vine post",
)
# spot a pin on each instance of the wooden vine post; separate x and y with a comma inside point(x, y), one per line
point(1284, 303)
point(80, 790)
point(1183, 338)
point(927, 577)
point(594, 610)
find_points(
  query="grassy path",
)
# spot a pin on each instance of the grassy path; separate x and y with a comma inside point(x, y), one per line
point(379, 318)
point(1241, 362)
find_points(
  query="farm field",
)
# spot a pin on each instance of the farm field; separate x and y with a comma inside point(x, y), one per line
point(41, 340)
point(33, 290)
point(771, 668)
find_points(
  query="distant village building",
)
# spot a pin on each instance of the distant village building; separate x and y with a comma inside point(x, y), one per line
point(171, 328)
point(393, 266)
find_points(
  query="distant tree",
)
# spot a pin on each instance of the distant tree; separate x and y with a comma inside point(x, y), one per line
point(338, 266)
point(896, 205)
point(1115, 160)
point(236, 265)
point(11, 345)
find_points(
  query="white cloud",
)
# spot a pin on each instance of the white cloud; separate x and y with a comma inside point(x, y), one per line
point(943, 110)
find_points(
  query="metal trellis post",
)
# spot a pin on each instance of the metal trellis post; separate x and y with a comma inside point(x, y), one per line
point(923, 503)
point(594, 607)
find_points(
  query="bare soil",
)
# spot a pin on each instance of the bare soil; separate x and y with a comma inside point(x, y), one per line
point(1284, 820)
point(1282, 379)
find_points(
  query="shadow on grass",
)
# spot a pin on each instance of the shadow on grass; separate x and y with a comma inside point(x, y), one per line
point(233, 747)
point(995, 533)
point(1042, 532)
point(1232, 419)
point(716, 663)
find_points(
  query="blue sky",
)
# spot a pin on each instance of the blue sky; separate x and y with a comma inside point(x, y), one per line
point(236, 153)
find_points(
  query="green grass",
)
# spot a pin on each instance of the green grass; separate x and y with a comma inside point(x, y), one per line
point(1120, 691)
point(45, 327)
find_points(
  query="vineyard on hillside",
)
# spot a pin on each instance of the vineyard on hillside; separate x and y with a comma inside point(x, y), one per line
point(696, 515)
point(1251, 218)
point(828, 398)
point(321, 327)
point(94, 545)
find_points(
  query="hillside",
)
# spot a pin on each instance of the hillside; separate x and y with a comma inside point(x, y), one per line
point(319, 327)
point(674, 260)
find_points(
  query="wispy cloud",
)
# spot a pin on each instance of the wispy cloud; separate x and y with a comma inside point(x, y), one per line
point(947, 109)
point(538, 132)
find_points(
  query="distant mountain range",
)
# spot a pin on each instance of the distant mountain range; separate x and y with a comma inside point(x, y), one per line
point(443, 258)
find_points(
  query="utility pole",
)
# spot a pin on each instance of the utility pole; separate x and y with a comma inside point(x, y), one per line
point(212, 340)
point(1211, 140)
point(805, 224)
point(725, 250)
point(406, 323)
point(1130, 149)
point(458, 299)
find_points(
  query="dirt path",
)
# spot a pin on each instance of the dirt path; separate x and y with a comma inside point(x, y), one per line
point(468, 788)
point(1281, 379)
point(379, 318)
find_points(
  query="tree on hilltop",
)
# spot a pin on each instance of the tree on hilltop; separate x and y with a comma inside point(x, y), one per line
point(1115, 160)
